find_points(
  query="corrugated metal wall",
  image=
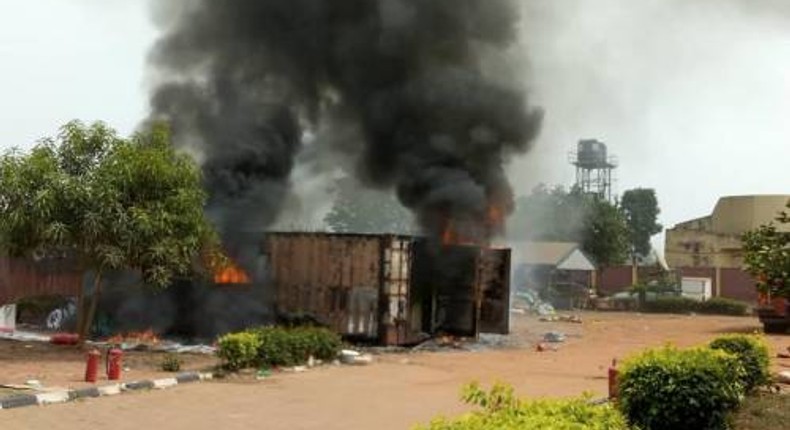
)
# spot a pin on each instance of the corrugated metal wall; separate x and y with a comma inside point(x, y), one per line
point(21, 278)
point(334, 277)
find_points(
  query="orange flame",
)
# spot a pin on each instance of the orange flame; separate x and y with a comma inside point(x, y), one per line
point(231, 274)
point(145, 337)
point(495, 218)
point(493, 223)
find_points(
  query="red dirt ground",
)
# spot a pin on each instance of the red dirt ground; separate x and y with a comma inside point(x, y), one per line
point(398, 390)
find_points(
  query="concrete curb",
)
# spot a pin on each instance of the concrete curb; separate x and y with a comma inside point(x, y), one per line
point(63, 396)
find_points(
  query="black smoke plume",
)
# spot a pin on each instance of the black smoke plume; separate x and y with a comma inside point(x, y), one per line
point(241, 80)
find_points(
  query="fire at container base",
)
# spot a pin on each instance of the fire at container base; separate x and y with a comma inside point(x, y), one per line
point(389, 289)
point(381, 289)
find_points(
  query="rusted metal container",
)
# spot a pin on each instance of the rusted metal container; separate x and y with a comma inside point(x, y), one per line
point(388, 289)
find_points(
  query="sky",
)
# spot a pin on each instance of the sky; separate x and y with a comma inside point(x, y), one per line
point(692, 96)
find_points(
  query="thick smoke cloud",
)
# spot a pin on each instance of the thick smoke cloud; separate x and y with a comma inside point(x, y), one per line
point(242, 81)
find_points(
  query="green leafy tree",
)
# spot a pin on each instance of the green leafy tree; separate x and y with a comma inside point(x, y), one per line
point(360, 210)
point(767, 256)
point(605, 233)
point(107, 202)
point(554, 214)
point(640, 208)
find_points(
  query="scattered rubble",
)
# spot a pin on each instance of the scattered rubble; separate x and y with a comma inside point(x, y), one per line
point(554, 337)
point(25, 336)
point(543, 347)
point(529, 300)
point(348, 356)
point(561, 318)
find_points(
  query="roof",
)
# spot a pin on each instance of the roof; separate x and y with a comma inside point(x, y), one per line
point(564, 255)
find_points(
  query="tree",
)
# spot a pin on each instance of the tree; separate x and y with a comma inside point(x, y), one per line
point(640, 208)
point(109, 203)
point(605, 233)
point(360, 210)
point(767, 256)
point(554, 214)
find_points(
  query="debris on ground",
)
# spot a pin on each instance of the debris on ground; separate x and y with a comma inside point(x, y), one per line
point(25, 336)
point(348, 356)
point(484, 342)
point(529, 300)
point(33, 383)
point(561, 318)
point(554, 337)
point(163, 346)
point(543, 347)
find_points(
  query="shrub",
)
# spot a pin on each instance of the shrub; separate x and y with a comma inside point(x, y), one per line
point(671, 305)
point(238, 350)
point(671, 389)
point(171, 363)
point(501, 410)
point(281, 346)
point(752, 352)
point(723, 306)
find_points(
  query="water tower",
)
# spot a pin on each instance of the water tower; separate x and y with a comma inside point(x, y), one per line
point(594, 168)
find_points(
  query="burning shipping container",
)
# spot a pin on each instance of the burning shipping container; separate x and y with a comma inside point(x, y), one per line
point(389, 289)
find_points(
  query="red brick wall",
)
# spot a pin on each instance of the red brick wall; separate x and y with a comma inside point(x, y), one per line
point(614, 279)
point(739, 285)
point(735, 283)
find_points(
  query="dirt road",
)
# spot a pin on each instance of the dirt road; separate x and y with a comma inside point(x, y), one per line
point(397, 391)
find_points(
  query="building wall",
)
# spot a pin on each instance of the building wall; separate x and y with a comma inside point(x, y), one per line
point(693, 248)
point(612, 280)
point(737, 214)
point(739, 285)
point(714, 241)
point(731, 283)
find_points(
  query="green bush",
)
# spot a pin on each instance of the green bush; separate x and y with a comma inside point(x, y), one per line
point(171, 363)
point(671, 389)
point(685, 305)
point(238, 350)
point(723, 306)
point(501, 410)
point(753, 354)
point(280, 346)
point(671, 305)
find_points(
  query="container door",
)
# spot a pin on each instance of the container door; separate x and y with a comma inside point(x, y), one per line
point(494, 288)
point(447, 276)
point(396, 263)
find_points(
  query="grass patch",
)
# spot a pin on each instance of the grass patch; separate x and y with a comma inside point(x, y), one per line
point(763, 412)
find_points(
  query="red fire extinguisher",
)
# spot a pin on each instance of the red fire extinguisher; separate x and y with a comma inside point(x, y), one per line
point(613, 380)
point(92, 366)
point(114, 363)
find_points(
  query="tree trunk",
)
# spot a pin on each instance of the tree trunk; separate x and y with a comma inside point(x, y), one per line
point(86, 318)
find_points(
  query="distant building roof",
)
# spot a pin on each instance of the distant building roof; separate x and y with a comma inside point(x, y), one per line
point(735, 215)
point(563, 255)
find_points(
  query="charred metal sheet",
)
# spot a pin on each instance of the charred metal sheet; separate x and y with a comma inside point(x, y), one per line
point(447, 276)
point(494, 289)
point(390, 289)
point(335, 278)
